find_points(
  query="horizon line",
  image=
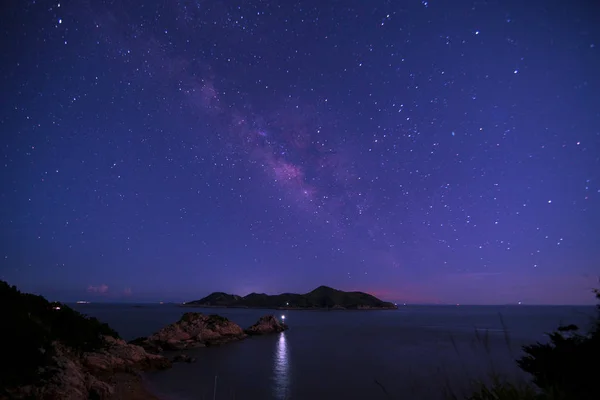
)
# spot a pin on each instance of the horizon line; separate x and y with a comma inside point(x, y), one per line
point(399, 304)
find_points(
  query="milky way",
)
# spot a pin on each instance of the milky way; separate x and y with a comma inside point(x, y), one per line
point(421, 151)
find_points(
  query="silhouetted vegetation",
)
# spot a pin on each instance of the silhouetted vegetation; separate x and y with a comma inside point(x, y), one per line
point(565, 368)
point(500, 390)
point(30, 324)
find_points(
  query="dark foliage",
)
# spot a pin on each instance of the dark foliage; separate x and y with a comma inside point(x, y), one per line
point(566, 367)
point(500, 390)
point(30, 325)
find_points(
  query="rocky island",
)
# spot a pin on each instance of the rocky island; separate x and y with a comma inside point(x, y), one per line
point(195, 330)
point(265, 325)
point(322, 298)
point(53, 352)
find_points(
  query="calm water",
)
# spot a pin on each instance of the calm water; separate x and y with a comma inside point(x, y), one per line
point(413, 352)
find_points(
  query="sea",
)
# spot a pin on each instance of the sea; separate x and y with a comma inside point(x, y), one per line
point(415, 352)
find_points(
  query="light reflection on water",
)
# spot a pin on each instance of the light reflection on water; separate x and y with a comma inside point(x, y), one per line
point(292, 365)
point(281, 370)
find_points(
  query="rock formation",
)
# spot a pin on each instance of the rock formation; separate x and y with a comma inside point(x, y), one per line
point(56, 353)
point(119, 355)
point(74, 376)
point(266, 324)
point(192, 330)
point(53, 352)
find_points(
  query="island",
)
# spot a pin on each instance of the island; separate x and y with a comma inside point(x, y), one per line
point(322, 298)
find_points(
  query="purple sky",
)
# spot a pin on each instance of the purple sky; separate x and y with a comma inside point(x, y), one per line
point(420, 151)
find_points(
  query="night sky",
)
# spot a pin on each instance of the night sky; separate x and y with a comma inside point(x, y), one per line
point(422, 151)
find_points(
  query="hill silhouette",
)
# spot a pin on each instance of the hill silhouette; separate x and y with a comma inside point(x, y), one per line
point(322, 297)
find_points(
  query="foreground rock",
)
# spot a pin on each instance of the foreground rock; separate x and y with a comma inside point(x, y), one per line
point(265, 325)
point(52, 352)
point(121, 356)
point(191, 331)
point(104, 374)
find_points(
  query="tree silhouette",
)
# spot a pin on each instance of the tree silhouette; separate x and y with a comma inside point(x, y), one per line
point(568, 367)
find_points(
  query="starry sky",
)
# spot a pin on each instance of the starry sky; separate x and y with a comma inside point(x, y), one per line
point(422, 151)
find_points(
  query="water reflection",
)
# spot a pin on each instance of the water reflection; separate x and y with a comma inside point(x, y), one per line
point(281, 370)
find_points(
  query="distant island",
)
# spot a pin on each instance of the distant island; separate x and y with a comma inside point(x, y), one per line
point(321, 298)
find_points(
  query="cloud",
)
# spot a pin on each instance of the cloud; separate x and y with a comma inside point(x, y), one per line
point(127, 292)
point(98, 289)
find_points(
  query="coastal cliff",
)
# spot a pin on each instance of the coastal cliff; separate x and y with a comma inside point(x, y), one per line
point(322, 297)
point(54, 352)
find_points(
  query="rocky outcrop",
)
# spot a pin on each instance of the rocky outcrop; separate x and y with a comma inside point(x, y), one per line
point(266, 324)
point(192, 330)
point(111, 372)
point(73, 376)
point(121, 356)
